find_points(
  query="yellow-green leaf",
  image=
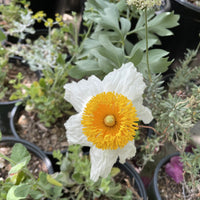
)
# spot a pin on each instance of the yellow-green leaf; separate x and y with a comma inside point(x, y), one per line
point(53, 181)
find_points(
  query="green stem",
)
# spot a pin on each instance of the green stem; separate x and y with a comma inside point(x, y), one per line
point(135, 30)
point(147, 49)
point(76, 31)
point(7, 158)
point(26, 171)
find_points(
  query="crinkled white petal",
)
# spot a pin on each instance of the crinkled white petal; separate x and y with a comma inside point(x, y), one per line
point(79, 93)
point(126, 81)
point(74, 131)
point(127, 152)
point(143, 113)
point(102, 162)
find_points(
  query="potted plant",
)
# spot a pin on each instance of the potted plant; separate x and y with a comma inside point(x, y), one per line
point(16, 23)
point(25, 170)
point(70, 182)
point(122, 182)
point(12, 70)
point(44, 108)
point(181, 172)
point(174, 133)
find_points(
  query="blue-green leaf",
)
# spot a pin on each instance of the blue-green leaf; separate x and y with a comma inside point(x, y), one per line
point(18, 192)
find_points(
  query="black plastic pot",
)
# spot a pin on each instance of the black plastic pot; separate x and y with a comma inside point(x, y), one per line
point(68, 6)
point(186, 35)
point(14, 115)
point(31, 148)
point(153, 191)
point(133, 175)
point(7, 106)
point(187, 9)
point(10, 39)
point(5, 109)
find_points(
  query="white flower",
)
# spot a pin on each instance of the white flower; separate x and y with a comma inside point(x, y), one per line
point(108, 112)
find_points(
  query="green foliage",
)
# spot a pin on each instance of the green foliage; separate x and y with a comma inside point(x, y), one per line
point(106, 45)
point(2, 35)
point(184, 73)
point(75, 176)
point(45, 97)
point(2, 79)
point(21, 184)
point(18, 192)
point(73, 180)
point(17, 21)
point(158, 25)
point(178, 110)
point(3, 71)
point(149, 148)
point(175, 107)
point(17, 18)
point(48, 56)
point(175, 120)
point(195, 104)
point(154, 93)
point(191, 162)
point(157, 60)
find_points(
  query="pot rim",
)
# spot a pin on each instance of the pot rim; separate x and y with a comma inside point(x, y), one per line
point(155, 176)
point(130, 171)
point(9, 102)
point(189, 5)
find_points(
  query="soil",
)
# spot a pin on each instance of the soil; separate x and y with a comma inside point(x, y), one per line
point(48, 139)
point(12, 70)
point(35, 165)
point(5, 2)
point(195, 2)
point(173, 191)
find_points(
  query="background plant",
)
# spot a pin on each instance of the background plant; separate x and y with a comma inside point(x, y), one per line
point(16, 19)
point(108, 43)
point(75, 177)
point(3, 70)
point(49, 56)
point(21, 183)
point(175, 108)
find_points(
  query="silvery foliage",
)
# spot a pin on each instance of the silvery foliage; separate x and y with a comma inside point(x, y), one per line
point(24, 26)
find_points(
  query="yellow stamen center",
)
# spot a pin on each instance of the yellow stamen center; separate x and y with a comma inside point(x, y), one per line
point(109, 120)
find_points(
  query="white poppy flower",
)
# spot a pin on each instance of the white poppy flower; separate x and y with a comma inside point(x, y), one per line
point(108, 112)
